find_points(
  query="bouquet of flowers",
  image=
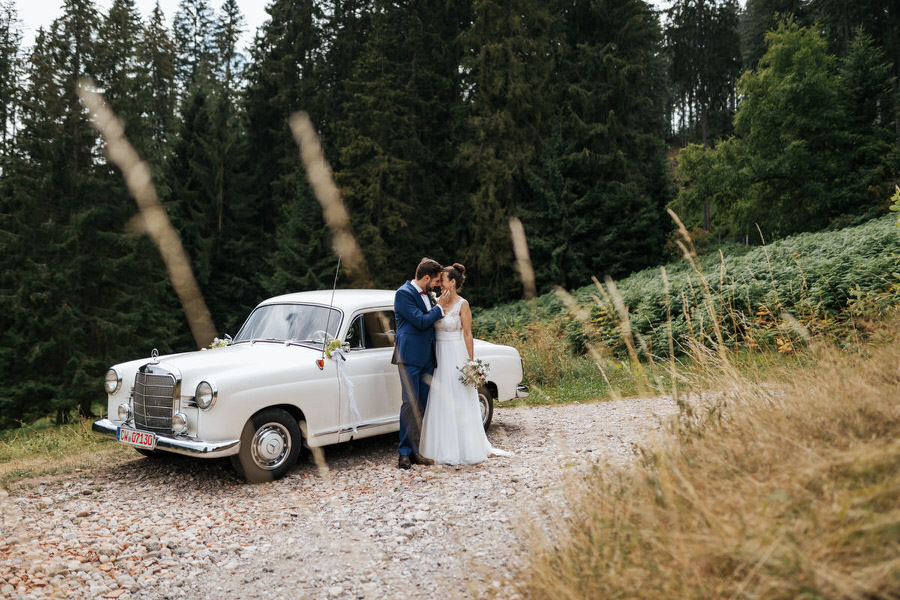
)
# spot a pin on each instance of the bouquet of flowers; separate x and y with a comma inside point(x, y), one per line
point(333, 346)
point(217, 343)
point(474, 373)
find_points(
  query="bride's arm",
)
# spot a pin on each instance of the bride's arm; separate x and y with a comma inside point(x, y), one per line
point(465, 315)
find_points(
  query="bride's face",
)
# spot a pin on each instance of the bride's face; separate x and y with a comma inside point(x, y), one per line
point(447, 283)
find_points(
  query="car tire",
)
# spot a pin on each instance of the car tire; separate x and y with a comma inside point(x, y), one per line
point(270, 445)
point(486, 404)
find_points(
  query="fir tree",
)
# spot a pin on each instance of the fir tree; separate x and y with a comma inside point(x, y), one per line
point(872, 160)
point(195, 42)
point(285, 76)
point(156, 55)
point(612, 93)
point(397, 133)
point(508, 65)
point(10, 74)
point(52, 192)
point(119, 73)
point(703, 47)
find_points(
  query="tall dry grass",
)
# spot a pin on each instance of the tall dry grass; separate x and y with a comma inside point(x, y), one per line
point(784, 482)
point(765, 491)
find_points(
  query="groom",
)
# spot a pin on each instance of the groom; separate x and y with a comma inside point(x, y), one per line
point(414, 354)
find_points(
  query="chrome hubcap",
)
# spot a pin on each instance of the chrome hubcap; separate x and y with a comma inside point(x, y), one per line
point(483, 401)
point(271, 446)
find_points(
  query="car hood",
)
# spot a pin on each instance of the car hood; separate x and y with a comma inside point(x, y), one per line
point(232, 359)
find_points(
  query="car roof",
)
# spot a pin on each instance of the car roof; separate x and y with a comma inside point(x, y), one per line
point(346, 300)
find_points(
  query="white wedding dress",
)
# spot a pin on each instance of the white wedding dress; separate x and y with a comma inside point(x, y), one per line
point(452, 432)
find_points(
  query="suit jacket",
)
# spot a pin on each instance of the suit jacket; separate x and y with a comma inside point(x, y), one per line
point(415, 328)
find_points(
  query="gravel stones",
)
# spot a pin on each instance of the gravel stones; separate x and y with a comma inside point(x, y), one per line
point(187, 528)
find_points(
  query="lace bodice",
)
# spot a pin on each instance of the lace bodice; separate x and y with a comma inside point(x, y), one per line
point(451, 323)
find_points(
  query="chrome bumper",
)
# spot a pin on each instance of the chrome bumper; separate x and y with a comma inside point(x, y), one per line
point(177, 444)
point(521, 391)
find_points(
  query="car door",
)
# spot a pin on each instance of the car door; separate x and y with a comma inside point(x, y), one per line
point(376, 382)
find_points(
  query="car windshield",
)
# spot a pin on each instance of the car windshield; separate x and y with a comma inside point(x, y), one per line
point(304, 323)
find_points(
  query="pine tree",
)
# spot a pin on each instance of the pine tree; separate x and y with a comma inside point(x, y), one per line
point(881, 20)
point(612, 91)
point(227, 30)
point(284, 76)
point(10, 74)
point(397, 135)
point(703, 46)
point(119, 73)
point(51, 208)
point(761, 16)
point(235, 261)
point(872, 160)
point(156, 54)
point(508, 63)
point(192, 168)
point(552, 218)
point(195, 42)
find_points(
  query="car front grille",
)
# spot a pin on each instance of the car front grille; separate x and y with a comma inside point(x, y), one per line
point(154, 400)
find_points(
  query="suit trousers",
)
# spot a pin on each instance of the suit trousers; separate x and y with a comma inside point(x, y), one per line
point(415, 383)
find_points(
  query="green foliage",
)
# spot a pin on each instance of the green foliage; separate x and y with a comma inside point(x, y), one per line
point(601, 181)
point(507, 56)
point(10, 72)
point(812, 276)
point(397, 135)
point(285, 74)
point(703, 47)
point(807, 152)
point(441, 121)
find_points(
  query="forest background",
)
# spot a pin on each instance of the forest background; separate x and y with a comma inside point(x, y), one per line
point(441, 120)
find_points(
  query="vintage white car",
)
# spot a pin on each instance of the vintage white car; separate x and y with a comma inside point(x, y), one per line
point(273, 389)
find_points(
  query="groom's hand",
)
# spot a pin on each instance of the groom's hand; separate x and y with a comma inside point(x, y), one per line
point(444, 301)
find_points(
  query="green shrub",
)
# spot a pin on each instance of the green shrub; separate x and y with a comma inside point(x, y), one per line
point(813, 277)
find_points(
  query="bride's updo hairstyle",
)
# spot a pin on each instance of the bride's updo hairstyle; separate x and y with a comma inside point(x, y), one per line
point(457, 273)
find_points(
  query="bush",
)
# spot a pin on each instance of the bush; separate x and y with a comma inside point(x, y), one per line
point(811, 279)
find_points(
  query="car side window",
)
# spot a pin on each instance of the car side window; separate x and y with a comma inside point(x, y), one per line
point(378, 329)
point(355, 334)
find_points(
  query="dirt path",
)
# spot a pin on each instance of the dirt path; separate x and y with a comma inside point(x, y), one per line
point(189, 528)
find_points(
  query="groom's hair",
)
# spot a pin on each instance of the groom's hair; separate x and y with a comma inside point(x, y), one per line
point(428, 266)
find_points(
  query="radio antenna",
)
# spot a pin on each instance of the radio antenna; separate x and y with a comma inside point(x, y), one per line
point(321, 361)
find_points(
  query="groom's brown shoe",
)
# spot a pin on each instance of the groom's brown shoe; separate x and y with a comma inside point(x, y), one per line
point(404, 462)
point(417, 459)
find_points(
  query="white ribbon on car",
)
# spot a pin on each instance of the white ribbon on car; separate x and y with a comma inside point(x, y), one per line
point(345, 380)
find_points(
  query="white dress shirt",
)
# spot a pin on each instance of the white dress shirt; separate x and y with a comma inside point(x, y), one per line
point(426, 298)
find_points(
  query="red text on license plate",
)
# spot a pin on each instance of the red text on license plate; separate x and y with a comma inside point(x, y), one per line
point(137, 438)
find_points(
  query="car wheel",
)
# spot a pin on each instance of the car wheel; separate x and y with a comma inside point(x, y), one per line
point(270, 445)
point(486, 403)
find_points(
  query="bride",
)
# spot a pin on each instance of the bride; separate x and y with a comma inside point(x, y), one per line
point(452, 432)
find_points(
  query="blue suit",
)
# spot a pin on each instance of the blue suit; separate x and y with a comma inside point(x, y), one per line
point(414, 354)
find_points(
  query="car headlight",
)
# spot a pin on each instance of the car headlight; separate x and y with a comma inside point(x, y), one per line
point(179, 423)
point(113, 381)
point(124, 412)
point(205, 395)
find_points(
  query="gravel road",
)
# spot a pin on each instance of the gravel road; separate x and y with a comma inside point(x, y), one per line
point(181, 528)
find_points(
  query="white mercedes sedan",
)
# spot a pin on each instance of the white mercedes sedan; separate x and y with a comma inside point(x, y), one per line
point(305, 369)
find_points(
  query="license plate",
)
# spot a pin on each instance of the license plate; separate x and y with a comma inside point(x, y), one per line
point(142, 439)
